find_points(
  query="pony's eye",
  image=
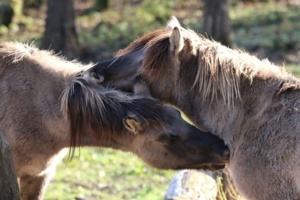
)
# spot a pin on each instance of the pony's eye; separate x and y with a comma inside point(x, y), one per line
point(98, 77)
point(94, 75)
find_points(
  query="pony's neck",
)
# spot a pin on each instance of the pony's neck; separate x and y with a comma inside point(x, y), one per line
point(222, 85)
point(225, 120)
point(214, 117)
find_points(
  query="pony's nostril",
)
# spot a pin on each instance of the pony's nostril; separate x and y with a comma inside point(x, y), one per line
point(226, 153)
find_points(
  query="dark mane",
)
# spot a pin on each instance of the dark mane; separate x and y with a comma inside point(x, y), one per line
point(157, 45)
point(156, 56)
point(141, 42)
point(103, 110)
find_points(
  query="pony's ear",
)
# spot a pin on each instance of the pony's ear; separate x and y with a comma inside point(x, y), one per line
point(172, 23)
point(176, 41)
point(133, 124)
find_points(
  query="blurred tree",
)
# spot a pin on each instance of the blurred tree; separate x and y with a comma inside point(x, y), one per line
point(60, 34)
point(8, 183)
point(10, 9)
point(100, 5)
point(6, 14)
point(33, 3)
point(17, 6)
point(216, 21)
point(28, 4)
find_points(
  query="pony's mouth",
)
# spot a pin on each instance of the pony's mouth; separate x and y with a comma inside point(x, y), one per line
point(216, 167)
point(211, 167)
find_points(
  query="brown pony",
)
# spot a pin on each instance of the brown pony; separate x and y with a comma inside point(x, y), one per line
point(45, 107)
point(251, 104)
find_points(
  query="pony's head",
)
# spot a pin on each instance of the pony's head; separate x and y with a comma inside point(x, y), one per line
point(142, 125)
point(156, 56)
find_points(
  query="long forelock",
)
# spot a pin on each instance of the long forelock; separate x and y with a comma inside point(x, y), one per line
point(140, 42)
point(157, 56)
point(156, 45)
point(86, 106)
point(152, 111)
point(103, 110)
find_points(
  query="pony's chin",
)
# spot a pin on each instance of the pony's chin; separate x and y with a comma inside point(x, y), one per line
point(216, 167)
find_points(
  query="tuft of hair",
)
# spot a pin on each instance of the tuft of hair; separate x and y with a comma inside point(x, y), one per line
point(13, 52)
point(89, 108)
point(16, 51)
point(101, 110)
point(220, 70)
point(172, 23)
point(157, 56)
point(140, 42)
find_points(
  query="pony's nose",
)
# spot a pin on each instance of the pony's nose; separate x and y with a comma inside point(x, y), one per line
point(222, 152)
point(226, 154)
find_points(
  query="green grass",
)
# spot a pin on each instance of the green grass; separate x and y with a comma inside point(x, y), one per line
point(108, 174)
point(271, 26)
point(295, 69)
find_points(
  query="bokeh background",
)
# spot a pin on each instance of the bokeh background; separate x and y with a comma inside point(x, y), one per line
point(92, 30)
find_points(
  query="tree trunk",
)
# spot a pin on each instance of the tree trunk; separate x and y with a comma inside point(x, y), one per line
point(60, 33)
point(216, 21)
point(9, 188)
point(6, 14)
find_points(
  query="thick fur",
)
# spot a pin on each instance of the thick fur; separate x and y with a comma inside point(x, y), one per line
point(45, 107)
point(252, 104)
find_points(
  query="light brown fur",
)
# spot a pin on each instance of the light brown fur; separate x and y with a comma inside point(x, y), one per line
point(252, 104)
point(45, 107)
